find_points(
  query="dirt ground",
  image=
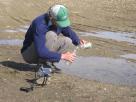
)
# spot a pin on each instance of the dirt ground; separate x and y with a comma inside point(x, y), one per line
point(86, 15)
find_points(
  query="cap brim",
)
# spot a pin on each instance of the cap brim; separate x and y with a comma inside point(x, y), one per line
point(64, 23)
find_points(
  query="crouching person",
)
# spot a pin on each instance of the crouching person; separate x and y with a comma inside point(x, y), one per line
point(50, 38)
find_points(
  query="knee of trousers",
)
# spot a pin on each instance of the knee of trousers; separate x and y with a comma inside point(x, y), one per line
point(69, 46)
point(68, 41)
point(51, 35)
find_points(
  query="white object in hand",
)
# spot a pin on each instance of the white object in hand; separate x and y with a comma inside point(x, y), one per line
point(86, 45)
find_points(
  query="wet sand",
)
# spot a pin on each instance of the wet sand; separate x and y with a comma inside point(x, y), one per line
point(89, 17)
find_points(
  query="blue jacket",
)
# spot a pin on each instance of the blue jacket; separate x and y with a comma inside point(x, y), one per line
point(36, 33)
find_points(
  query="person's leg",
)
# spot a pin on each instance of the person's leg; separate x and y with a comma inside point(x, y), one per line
point(65, 44)
point(30, 55)
point(51, 39)
point(58, 43)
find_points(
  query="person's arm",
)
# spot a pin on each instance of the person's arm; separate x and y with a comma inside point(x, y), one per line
point(71, 34)
point(39, 42)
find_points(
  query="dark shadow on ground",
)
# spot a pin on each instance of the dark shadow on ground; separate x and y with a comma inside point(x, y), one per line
point(18, 66)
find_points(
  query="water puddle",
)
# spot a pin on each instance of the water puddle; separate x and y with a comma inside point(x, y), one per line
point(11, 42)
point(127, 37)
point(15, 30)
point(107, 70)
point(118, 36)
point(129, 56)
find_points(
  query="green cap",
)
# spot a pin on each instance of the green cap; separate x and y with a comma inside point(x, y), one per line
point(60, 14)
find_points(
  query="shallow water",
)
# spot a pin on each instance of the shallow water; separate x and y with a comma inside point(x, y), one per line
point(15, 30)
point(11, 42)
point(127, 37)
point(129, 56)
point(118, 36)
point(107, 70)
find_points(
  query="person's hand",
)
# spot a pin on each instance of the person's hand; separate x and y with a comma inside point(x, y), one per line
point(82, 42)
point(68, 56)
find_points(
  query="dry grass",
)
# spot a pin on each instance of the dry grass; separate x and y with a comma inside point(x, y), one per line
point(116, 15)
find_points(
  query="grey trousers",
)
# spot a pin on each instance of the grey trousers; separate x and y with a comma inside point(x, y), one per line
point(53, 42)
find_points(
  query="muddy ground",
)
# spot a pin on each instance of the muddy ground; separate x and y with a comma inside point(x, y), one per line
point(86, 15)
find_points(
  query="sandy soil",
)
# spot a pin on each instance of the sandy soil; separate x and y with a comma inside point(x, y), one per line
point(115, 15)
point(86, 15)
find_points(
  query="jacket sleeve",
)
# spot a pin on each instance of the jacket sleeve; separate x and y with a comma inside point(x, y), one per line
point(71, 34)
point(42, 50)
